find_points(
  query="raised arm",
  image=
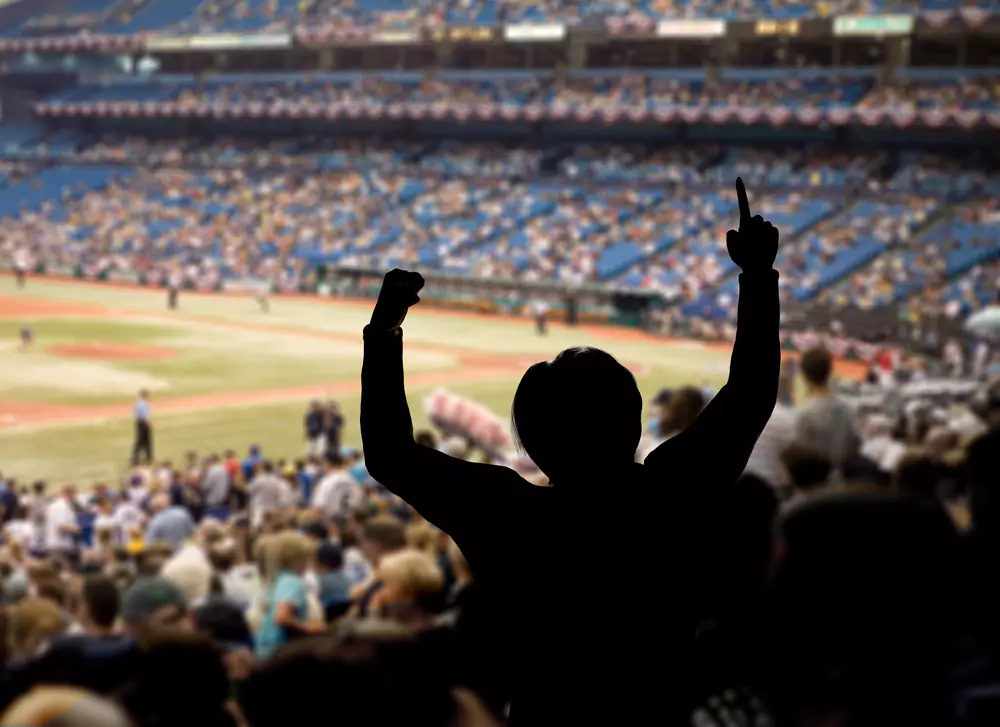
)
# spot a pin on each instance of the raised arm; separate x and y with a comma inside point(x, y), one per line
point(453, 494)
point(718, 444)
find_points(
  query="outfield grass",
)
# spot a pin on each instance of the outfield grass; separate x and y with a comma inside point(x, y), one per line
point(225, 345)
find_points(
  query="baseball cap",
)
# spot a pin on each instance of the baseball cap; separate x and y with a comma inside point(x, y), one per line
point(149, 595)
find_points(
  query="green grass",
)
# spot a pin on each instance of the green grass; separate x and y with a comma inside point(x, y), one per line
point(224, 344)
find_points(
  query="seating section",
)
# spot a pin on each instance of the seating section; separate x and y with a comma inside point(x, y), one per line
point(633, 216)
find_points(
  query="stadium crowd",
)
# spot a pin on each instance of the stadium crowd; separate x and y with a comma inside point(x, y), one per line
point(268, 589)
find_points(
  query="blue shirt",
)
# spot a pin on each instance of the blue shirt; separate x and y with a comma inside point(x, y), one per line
point(287, 588)
point(173, 525)
point(248, 466)
point(142, 411)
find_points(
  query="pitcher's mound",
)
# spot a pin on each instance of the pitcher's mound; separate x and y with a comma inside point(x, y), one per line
point(111, 351)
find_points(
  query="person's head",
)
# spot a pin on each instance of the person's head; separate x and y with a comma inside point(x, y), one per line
point(557, 404)
point(144, 394)
point(816, 366)
point(52, 589)
point(63, 706)
point(191, 572)
point(333, 461)
point(99, 604)
point(918, 475)
point(422, 536)
point(329, 557)
point(315, 405)
point(159, 502)
point(69, 492)
point(32, 622)
point(426, 438)
point(293, 552)
point(685, 405)
point(381, 536)
point(154, 602)
point(806, 466)
point(267, 467)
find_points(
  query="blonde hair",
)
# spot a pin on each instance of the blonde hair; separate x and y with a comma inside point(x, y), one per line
point(288, 550)
point(422, 536)
point(411, 573)
point(31, 623)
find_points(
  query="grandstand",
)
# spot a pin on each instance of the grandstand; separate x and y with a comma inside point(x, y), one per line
point(577, 153)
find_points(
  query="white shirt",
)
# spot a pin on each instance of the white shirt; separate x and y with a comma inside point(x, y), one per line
point(765, 460)
point(22, 532)
point(58, 514)
point(268, 492)
point(336, 494)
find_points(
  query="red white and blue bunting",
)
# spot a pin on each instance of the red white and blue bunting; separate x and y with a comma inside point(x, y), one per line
point(487, 111)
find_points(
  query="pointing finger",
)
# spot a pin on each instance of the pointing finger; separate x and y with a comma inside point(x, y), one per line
point(741, 196)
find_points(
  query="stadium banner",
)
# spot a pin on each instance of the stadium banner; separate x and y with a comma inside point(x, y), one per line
point(704, 28)
point(533, 33)
point(465, 34)
point(230, 41)
point(873, 25)
point(779, 28)
point(397, 37)
point(961, 20)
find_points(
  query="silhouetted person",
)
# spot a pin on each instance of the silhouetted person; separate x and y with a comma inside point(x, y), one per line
point(576, 654)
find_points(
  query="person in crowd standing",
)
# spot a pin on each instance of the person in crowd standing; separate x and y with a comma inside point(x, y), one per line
point(380, 537)
point(170, 523)
point(215, 486)
point(61, 527)
point(566, 672)
point(315, 430)
point(824, 419)
point(765, 461)
point(142, 446)
point(268, 492)
point(286, 606)
point(337, 492)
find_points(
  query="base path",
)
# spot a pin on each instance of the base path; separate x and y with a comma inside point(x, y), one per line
point(111, 351)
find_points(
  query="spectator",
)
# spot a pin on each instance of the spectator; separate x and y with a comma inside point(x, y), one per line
point(381, 536)
point(268, 493)
point(99, 606)
point(411, 588)
point(154, 602)
point(337, 493)
point(334, 585)
point(169, 524)
point(807, 468)
point(824, 420)
point(61, 528)
point(286, 614)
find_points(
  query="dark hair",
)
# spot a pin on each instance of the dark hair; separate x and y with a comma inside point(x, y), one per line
point(808, 466)
point(333, 459)
point(557, 402)
point(386, 531)
point(51, 589)
point(684, 407)
point(100, 595)
point(426, 438)
point(816, 366)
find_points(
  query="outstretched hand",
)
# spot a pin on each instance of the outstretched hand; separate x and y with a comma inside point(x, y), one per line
point(399, 292)
point(755, 245)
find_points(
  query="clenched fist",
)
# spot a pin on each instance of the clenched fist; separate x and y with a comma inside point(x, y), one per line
point(399, 292)
point(755, 245)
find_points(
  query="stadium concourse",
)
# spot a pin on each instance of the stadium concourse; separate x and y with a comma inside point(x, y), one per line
point(565, 160)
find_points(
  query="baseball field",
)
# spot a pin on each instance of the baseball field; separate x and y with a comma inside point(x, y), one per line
point(223, 374)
